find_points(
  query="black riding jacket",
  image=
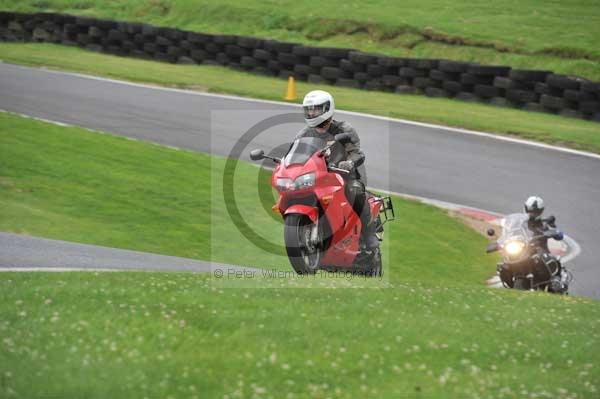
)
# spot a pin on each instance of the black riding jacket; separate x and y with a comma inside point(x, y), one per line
point(352, 149)
point(539, 227)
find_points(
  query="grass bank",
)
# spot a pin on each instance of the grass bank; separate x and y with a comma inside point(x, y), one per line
point(181, 335)
point(547, 128)
point(71, 184)
point(560, 36)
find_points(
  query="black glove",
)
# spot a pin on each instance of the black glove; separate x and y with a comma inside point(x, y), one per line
point(346, 165)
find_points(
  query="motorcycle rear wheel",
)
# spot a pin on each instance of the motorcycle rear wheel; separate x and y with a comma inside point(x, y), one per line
point(304, 256)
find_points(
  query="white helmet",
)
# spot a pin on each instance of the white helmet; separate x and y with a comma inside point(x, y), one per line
point(318, 107)
point(534, 206)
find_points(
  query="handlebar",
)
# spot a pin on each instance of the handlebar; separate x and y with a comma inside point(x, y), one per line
point(331, 167)
point(553, 233)
point(335, 169)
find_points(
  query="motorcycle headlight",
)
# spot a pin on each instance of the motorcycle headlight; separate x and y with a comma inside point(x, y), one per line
point(304, 181)
point(284, 184)
point(514, 248)
point(307, 180)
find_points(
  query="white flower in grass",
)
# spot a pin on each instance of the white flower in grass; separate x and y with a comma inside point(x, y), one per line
point(22, 313)
point(273, 358)
point(285, 366)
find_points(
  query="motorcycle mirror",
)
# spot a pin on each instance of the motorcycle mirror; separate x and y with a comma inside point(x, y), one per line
point(257, 155)
point(491, 232)
point(343, 138)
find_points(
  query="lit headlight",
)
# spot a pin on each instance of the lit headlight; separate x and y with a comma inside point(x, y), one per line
point(304, 181)
point(514, 248)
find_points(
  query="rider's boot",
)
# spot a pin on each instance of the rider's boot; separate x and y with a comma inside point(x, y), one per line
point(368, 238)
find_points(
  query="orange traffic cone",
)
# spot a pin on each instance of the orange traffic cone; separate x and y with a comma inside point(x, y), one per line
point(291, 90)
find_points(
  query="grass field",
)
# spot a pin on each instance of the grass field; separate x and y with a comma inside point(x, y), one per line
point(547, 128)
point(180, 335)
point(557, 35)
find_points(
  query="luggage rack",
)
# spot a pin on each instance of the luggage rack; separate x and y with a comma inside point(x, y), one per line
point(387, 209)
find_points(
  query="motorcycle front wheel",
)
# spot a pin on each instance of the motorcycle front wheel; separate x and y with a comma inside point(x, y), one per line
point(303, 253)
point(522, 284)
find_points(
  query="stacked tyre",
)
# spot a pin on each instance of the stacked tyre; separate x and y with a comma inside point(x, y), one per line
point(481, 78)
point(389, 74)
point(329, 60)
point(558, 95)
point(588, 102)
point(449, 74)
point(520, 87)
point(416, 72)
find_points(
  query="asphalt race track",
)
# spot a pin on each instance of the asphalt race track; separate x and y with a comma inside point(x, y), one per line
point(433, 162)
point(32, 253)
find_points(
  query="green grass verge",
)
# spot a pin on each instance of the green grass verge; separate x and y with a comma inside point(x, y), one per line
point(552, 129)
point(75, 185)
point(181, 335)
point(560, 36)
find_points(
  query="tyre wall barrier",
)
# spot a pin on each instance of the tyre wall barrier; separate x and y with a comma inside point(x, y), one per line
point(532, 90)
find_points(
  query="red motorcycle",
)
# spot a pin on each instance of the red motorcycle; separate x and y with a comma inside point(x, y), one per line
point(322, 231)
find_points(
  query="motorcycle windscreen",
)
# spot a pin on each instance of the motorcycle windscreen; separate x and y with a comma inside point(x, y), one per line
point(515, 225)
point(302, 150)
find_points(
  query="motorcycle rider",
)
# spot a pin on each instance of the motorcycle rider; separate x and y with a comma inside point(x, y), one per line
point(319, 108)
point(534, 207)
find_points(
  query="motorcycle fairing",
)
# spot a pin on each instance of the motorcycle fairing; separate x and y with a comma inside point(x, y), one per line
point(310, 211)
